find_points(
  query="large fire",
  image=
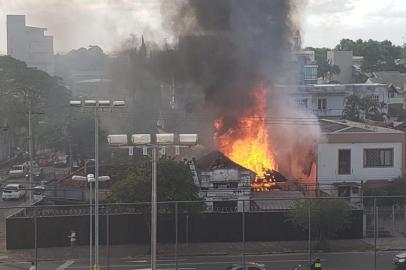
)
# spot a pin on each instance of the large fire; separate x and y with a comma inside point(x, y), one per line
point(248, 143)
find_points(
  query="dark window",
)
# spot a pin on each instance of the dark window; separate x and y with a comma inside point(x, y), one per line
point(322, 104)
point(355, 190)
point(344, 161)
point(378, 158)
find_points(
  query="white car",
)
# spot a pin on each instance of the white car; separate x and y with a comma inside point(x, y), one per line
point(400, 259)
point(17, 171)
point(13, 191)
point(38, 193)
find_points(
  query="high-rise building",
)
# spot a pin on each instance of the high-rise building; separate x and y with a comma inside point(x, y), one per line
point(29, 44)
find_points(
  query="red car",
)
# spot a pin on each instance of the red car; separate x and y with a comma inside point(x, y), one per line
point(45, 161)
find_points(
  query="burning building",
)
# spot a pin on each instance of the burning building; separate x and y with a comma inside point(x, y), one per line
point(237, 52)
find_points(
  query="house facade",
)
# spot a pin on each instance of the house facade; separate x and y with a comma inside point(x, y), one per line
point(350, 154)
point(328, 100)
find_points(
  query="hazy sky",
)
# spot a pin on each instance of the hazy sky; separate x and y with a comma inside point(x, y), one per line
point(79, 23)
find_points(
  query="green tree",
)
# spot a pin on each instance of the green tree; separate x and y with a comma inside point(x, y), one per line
point(327, 216)
point(174, 181)
point(358, 109)
point(22, 88)
point(396, 187)
point(378, 55)
point(352, 108)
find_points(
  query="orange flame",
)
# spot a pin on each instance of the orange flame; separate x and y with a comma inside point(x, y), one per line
point(248, 143)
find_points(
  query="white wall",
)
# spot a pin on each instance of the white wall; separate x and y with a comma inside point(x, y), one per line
point(335, 105)
point(327, 164)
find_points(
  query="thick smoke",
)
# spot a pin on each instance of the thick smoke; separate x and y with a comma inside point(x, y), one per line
point(230, 47)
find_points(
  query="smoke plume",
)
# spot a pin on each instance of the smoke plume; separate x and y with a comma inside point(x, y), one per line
point(230, 47)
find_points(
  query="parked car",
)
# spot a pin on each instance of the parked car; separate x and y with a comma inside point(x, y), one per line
point(38, 193)
point(400, 259)
point(248, 266)
point(17, 171)
point(61, 161)
point(37, 174)
point(45, 161)
point(13, 191)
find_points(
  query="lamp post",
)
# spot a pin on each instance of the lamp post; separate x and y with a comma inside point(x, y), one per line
point(96, 106)
point(160, 140)
point(90, 179)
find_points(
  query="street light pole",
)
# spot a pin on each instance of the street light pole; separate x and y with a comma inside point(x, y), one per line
point(153, 210)
point(144, 141)
point(96, 187)
point(91, 226)
point(96, 105)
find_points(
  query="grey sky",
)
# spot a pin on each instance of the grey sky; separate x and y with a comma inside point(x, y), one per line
point(108, 23)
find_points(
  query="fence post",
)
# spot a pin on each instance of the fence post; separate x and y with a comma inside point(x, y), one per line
point(393, 220)
point(187, 230)
point(243, 233)
point(309, 242)
point(176, 235)
point(375, 230)
point(108, 236)
point(36, 238)
point(404, 220)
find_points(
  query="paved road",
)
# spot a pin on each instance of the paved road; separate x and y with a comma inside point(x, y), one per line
point(330, 261)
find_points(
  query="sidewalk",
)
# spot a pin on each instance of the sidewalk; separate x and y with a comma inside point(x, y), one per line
point(388, 243)
point(194, 249)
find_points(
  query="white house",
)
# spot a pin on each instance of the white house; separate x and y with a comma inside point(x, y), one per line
point(225, 185)
point(351, 153)
point(328, 100)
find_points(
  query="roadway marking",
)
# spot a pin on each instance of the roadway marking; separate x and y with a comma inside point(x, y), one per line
point(180, 268)
point(65, 265)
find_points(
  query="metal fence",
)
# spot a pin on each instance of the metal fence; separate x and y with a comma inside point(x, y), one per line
point(281, 233)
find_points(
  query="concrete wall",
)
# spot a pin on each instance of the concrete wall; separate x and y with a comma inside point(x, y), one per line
point(327, 165)
point(134, 228)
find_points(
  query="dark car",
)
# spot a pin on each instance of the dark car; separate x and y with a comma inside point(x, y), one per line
point(400, 259)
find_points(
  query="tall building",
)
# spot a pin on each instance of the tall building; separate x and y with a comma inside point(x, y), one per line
point(342, 59)
point(306, 67)
point(29, 44)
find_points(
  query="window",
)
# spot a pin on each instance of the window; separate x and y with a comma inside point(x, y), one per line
point(344, 161)
point(302, 103)
point(378, 158)
point(322, 104)
point(374, 99)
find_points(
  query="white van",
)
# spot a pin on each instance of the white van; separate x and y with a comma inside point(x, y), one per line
point(17, 171)
point(13, 191)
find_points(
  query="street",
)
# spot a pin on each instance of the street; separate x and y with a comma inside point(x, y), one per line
point(330, 261)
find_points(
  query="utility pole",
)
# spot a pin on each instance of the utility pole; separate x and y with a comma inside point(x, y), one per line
point(30, 146)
